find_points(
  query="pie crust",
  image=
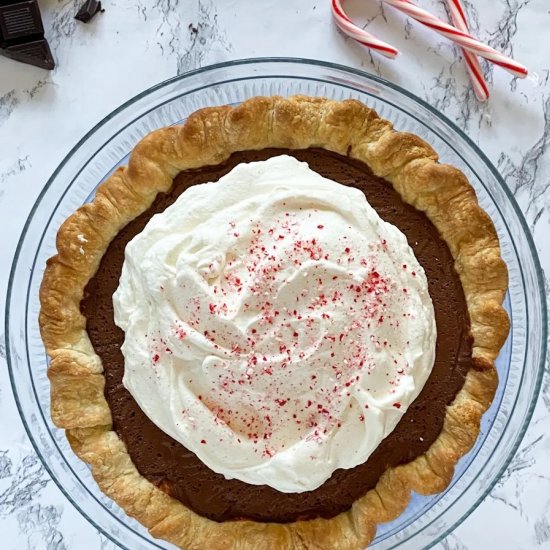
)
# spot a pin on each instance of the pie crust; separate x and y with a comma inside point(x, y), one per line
point(209, 137)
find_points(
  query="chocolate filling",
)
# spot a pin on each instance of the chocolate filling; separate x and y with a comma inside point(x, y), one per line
point(174, 469)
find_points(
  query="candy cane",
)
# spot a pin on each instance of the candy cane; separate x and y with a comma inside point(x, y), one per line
point(456, 35)
point(478, 81)
point(347, 26)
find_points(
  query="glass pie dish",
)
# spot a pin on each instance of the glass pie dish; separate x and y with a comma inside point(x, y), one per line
point(520, 363)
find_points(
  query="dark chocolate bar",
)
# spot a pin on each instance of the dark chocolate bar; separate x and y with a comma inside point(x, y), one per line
point(88, 10)
point(19, 20)
point(22, 33)
point(33, 53)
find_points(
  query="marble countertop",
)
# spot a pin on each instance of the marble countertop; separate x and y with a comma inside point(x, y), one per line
point(134, 45)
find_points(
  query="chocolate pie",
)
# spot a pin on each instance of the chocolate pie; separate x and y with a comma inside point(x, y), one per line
point(273, 325)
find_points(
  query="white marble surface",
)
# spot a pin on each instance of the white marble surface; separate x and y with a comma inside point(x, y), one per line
point(136, 44)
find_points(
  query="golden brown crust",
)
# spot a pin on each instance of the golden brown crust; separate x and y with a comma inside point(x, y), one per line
point(208, 137)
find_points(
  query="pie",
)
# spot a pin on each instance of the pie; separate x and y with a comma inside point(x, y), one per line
point(279, 357)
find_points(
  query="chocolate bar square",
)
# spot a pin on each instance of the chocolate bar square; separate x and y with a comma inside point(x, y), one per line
point(20, 19)
point(35, 53)
point(22, 33)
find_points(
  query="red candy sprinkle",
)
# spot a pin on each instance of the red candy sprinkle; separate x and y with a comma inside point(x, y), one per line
point(339, 354)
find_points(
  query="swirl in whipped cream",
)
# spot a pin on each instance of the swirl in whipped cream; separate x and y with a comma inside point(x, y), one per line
point(274, 324)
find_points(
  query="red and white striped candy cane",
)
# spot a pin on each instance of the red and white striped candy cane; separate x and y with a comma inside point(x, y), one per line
point(347, 26)
point(460, 37)
point(458, 18)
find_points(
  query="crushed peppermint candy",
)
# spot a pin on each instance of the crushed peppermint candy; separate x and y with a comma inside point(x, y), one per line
point(280, 327)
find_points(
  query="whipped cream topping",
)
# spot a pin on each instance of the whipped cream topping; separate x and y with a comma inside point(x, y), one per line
point(274, 324)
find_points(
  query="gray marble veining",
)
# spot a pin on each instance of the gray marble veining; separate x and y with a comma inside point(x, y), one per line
point(26, 480)
point(8, 102)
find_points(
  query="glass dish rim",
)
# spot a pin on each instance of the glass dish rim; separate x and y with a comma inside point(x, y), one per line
point(338, 67)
